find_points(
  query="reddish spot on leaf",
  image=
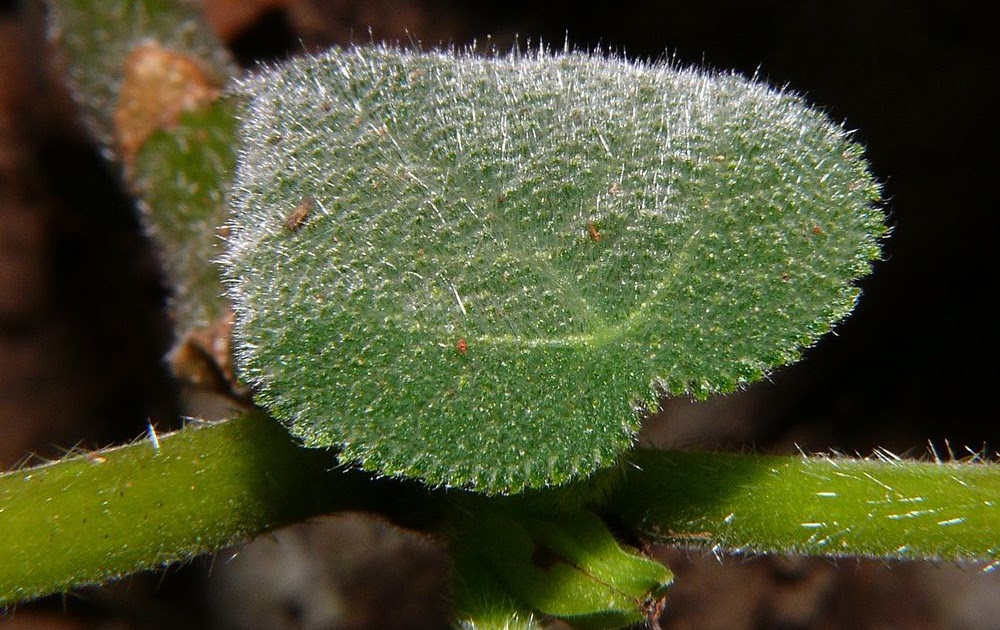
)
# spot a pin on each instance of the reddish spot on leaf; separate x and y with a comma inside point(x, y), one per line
point(817, 230)
point(461, 346)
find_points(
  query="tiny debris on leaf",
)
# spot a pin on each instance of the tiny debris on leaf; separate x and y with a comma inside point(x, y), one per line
point(297, 218)
point(594, 234)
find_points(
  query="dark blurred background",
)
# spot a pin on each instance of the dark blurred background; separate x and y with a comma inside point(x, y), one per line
point(82, 329)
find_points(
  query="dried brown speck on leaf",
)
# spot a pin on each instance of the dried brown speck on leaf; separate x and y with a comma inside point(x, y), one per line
point(299, 215)
point(594, 234)
point(158, 85)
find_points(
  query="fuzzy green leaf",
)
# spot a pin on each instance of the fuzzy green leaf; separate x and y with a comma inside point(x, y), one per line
point(481, 601)
point(473, 270)
point(569, 567)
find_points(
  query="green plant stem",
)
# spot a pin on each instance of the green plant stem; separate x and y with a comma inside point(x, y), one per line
point(93, 518)
point(887, 508)
point(96, 37)
point(180, 170)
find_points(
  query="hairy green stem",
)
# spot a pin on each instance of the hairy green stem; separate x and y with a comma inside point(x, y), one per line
point(887, 508)
point(93, 518)
point(147, 75)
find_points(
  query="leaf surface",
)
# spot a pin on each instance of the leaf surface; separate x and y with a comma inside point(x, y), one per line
point(475, 270)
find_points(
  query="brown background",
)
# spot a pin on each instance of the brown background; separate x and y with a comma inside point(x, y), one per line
point(82, 329)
